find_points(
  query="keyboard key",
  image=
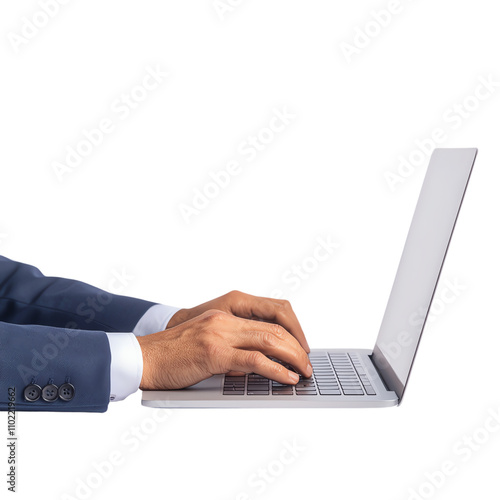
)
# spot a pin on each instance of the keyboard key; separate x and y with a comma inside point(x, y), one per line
point(252, 387)
point(334, 374)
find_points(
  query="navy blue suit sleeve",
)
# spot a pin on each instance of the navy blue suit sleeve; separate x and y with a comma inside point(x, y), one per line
point(41, 355)
point(29, 297)
point(52, 331)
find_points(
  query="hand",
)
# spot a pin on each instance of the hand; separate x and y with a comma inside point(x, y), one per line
point(217, 342)
point(248, 307)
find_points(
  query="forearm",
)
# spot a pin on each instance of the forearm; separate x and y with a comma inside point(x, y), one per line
point(29, 297)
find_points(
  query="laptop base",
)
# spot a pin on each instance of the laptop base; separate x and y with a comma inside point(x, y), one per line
point(363, 389)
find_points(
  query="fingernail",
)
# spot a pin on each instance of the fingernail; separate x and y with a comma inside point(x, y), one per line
point(294, 377)
point(309, 370)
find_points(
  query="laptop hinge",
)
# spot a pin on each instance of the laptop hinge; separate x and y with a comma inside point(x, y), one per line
point(386, 373)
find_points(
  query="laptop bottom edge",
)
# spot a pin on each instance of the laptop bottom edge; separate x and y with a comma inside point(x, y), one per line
point(342, 378)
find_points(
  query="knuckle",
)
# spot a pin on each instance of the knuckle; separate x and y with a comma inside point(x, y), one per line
point(278, 331)
point(277, 369)
point(254, 359)
point(285, 304)
point(207, 333)
point(213, 315)
point(268, 339)
point(234, 294)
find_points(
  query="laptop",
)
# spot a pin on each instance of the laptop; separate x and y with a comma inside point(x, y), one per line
point(361, 378)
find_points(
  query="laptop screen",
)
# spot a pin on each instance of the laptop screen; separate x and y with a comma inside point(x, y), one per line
point(420, 265)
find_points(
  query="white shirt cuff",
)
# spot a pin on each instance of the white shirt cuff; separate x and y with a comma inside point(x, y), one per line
point(126, 355)
point(155, 319)
point(126, 365)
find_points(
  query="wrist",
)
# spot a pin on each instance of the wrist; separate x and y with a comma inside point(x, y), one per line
point(146, 362)
point(179, 317)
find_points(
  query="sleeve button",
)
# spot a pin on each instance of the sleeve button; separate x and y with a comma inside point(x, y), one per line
point(66, 392)
point(49, 393)
point(32, 392)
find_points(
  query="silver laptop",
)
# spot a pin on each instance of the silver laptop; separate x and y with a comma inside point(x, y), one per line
point(352, 378)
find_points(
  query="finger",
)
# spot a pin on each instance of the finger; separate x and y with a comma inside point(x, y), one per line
point(286, 317)
point(271, 340)
point(256, 362)
point(275, 310)
point(234, 373)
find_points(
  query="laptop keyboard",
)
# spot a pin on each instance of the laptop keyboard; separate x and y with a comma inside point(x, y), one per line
point(334, 374)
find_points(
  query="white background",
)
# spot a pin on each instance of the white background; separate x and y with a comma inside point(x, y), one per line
point(323, 176)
